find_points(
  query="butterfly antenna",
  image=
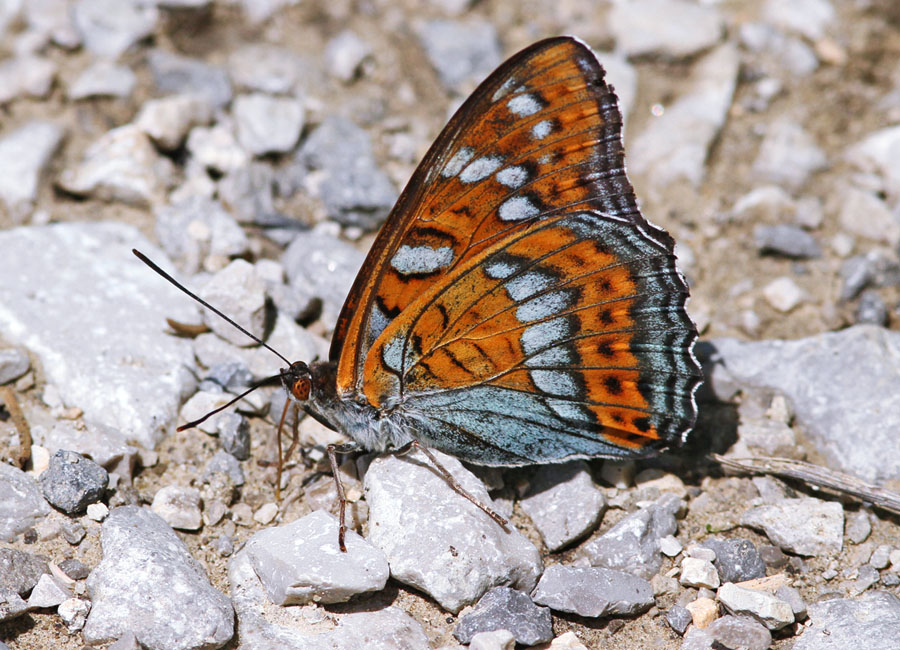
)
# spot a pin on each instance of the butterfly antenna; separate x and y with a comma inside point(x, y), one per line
point(193, 423)
point(146, 260)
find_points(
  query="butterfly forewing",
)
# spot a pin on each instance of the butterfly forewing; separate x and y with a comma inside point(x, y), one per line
point(542, 135)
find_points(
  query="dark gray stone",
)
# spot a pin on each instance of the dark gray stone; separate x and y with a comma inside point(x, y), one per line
point(678, 619)
point(592, 591)
point(871, 622)
point(786, 240)
point(73, 532)
point(738, 633)
point(632, 545)
point(835, 381)
point(352, 187)
point(174, 74)
point(20, 571)
point(503, 608)
point(147, 583)
point(75, 569)
point(234, 435)
point(736, 559)
point(871, 309)
point(11, 605)
point(72, 482)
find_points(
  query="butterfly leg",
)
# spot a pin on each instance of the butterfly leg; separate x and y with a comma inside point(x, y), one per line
point(452, 482)
point(282, 458)
point(333, 451)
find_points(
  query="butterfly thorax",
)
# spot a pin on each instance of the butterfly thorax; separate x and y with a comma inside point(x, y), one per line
point(374, 429)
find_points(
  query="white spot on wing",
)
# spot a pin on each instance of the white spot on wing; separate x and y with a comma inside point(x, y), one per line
point(523, 105)
point(480, 168)
point(392, 353)
point(569, 410)
point(541, 335)
point(459, 160)
point(555, 382)
point(512, 177)
point(559, 356)
point(543, 306)
point(541, 130)
point(527, 284)
point(409, 260)
point(518, 208)
point(498, 269)
point(507, 87)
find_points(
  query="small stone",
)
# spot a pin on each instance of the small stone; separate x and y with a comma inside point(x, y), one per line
point(793, 598)
point(97, 511)
point(266, 513)
point(699, 573)
point(871, 309)
point(26, 76)
point(201, 403)
point(224, 545)
point(73, 532)
point(300, 562)
point(496, 640)
point(810, 18)
point(563, 503)
point(670, 546)
point(592, 591)
point(786, 240)
point(344, 55)
point(103, 79)
point(461, 52)
point(178, 506)
point(48, 592)
point(72, 481)
point(236, 290)
point(804, 526)
point(108, 28)
point(739, 633)
point(24, 155)
point(176, 74)
point(701, 553)
point(679, 618)
point(503, 608)
point(871, 621)
point(736, 559)
point(881, 556)
point(868, 576)
point(788, 155)
point(74, 569)
point(122, 165)
point(168, 120)
point(772, 612)
point(768, 203)
point(668, 28)
point(217, 149)
point(11, 605)
point(74, 612)
point(266, 68)
point(267, 124)
point(879, 225)
point(234, 435)
point(783, 294)
point(20, 571)
point(703, 611)
point(13, 364)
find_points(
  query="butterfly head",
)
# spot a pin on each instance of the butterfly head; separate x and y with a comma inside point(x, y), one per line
point(297, 381)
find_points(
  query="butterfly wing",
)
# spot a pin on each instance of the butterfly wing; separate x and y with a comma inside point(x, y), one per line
point(566, 339)
point(541, 136)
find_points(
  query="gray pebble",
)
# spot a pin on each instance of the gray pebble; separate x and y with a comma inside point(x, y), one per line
point(73, 532)
point(858, 527)
point(24, 155)
point(350, 184)
point(103, 79)
point(881, 556)
point(20, 571)
point(11, 605)
point(736, 559)
point(461, 52)
point(234, 435)
point(143, 562)
point(871, 309)
point(871, 622)
point(74, 568)
point(300, 562)
point(805, 526)
point(666, 28)
point(248, 190)
point(266, 68)
point(178, 506)
point(230, 375)
point(178, 74)
point(223, 545)
point(729, 633)
point(195, 229)
point(593, 591)
point(238, 291)
point(786, 240)
point(563, 503)
point(72, 482)
point(771, 611)
point(788, 155)
point(22, 504)
point(26, 76)
point(169, 119)
point(867, 576)
point(793, 598)
point(225, 462)
point(460, 552)
point(344, 55)
point(108, 28)
point(102, 444)
point(13, 364)
point(267, 124)
point(503, 608)
point(809, 18)
point(48, 592)
point(678, 619)
point(632, 545)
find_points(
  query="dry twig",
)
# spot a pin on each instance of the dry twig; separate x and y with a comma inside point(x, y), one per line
point(18, 418)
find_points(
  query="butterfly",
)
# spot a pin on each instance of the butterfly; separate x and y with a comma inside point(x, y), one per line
point(516, 308)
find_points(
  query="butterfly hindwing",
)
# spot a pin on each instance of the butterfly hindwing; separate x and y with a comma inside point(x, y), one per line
point(541, 136)
point(566, 339)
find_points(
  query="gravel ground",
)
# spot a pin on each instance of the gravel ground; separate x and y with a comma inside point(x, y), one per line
point(253, 148)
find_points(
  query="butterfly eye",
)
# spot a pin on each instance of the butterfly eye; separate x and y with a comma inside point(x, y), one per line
point(301, 388)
